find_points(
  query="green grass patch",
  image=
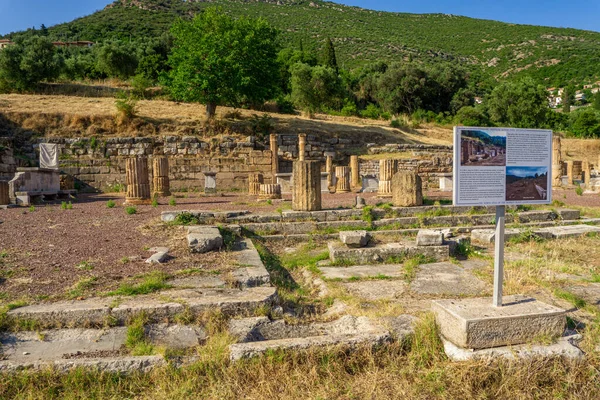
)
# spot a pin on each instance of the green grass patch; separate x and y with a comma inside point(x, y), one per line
point(136, 340)
point(111, 204)
point(130, 210)
point(303, 257)
point(576, 301)
point(153, 282)
point(81, 287)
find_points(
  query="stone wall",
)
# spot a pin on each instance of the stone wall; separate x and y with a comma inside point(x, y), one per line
point(101, 163)
point(427, 168)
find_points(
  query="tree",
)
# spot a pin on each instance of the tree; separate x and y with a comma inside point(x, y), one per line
point(521, 104)
point(28, 62)
point(117, 60)
point(596, 103)
point(218, 60)
point(585, 123)
point(329, 57)
point(315, 88)
point(568, 98)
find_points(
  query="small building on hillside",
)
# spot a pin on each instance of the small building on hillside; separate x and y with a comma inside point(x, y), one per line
point(5, 43)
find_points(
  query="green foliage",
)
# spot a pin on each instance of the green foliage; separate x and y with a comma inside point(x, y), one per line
point(154, 202)
point(329, 57)
point(31, 208)
point(130, 210)
point(262, 126)
point(115, 59)
point(136, 340)
point(66, 206)
point(217, 60)
point(186, 218)
point(110, 204)
point(579, 190)
point(521, 104)
point(153, 282)
point(126, 105)
point(140, 85)
point(472, 116)
point(585, 123)
point(315, 88)
point(367, 214)
point(172, 201)
point(26, 63)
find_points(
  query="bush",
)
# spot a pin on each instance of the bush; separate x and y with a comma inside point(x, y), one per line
point(131, 210)
point(172, 201)
point(285, 105)
point(349, 109)
point(262, 126)
point(126, 106)
point(140, 85)
point(472, 116)
point(371, 111)
point(110, 204)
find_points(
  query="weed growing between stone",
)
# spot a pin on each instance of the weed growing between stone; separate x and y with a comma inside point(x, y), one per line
point(130, 210)
point(136, 341)
point(153, 282)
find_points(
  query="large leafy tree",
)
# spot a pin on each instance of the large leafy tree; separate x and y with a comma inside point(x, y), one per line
point(315, 88)
point(217, 60)
point(521, 104)
point(28, 62)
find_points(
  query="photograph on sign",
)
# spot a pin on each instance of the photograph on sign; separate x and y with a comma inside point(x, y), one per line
point(502, 166)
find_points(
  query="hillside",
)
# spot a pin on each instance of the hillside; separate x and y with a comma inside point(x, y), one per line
point(500, 50)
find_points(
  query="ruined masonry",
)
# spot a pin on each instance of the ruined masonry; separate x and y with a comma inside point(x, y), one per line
point(138, 185)
point(387, 169)
point(342, 176)
point(406, 189)
point(254, 182)
point(306, 193)
point(269, 191)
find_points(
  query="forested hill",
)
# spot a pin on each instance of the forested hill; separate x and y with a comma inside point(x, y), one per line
point(553, 55)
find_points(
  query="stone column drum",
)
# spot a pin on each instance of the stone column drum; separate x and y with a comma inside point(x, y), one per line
point(306, 190)
point(301, 146)
point(586, 171)
point(577, 169)
point(329, 170)
point(274, 146)
point(407, 189)
point(160, 177)
point(342, 176)
point(387, 169)
point(269, 191)
point(254, 182)
point(355, 181)
point(556, 162)
point(137, 180)
point(4, 198)
point(570, 172)
point(210, 182)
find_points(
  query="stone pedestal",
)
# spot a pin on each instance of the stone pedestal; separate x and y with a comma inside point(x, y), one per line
point(269, 191)
point(387, 169)
point(4, 197)
point(477, 324)
point(556, 162)
point(301, 146)
point(137, 180)
point(355, 181)
point(342, 176)
point(407, 189)
point(210, 182)
point(160, 177)
point(306, 192)
point(254, 182)
point(329, 170)
point(570, 172)
point(274, 146)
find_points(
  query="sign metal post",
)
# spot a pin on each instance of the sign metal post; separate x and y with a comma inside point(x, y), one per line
point(499, 256)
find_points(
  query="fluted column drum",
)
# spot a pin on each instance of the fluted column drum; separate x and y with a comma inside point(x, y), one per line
point(407, 190)
point(269, 191)
point(342, 176)
point(556, 162)
point(306, 191)
point(160, 177)
point(301, 146)
point(355, 181)
point(254, 182)
point(274, 146)
point(138, 183)
point(387, 169)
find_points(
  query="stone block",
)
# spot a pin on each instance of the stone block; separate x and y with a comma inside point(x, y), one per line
point(355, 238)
point(407, 189)
point(428, 237)
point(477, 324)
point(567, 215)
point(203, 239)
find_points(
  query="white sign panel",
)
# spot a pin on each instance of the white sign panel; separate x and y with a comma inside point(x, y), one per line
point(502, 166)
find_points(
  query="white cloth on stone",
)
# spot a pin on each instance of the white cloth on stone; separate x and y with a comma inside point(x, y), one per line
point(48, 156)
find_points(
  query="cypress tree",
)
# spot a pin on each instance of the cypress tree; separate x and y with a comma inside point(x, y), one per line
point(330, 59)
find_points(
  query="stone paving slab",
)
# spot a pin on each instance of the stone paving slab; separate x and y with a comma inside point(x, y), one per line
point(565, 347)
point(252, 271)
point(489, 235)
point(590, 292)
point(367, 255)
point(446, 279)
point(66, 313)
point(561, 232)
point(363, 271)
point(113, 364)
point(373, 290)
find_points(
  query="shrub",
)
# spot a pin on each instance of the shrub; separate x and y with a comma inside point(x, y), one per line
point(131, 210)
point(110, 204)
point(154, 202)
point(126, 106)
point(579, 191)
point(172, 201)
point(371, 111)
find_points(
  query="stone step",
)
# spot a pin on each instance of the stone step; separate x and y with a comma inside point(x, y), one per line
point(363, 271)
point(339, 253)
point(446, 279)
point(553, 232)
point(165, 305)
point(251, 271)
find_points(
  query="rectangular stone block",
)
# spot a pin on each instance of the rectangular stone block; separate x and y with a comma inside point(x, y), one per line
point(428, 237)
point(355, 238)
point(477, 324)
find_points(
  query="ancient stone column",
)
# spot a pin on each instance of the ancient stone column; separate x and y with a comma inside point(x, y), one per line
point(274, 155)
point(585, 171)
point(269, 191)
point(355, 181)
point(306, 190)
point(210, 182)
point(570, 172)
point(4, 198)
point(329, 170)
point(137, 180)
point(407, 189)
point(342, 176)
point(577, 169)
point(301, 147)
point(387, 169)
point(254, 182)
point(556, 162)
point(160, 177)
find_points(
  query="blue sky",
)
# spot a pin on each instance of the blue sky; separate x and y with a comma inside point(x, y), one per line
point(583, 14)
point(525, 171)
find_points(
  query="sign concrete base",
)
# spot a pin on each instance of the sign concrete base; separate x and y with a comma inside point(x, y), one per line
point(477, 324)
